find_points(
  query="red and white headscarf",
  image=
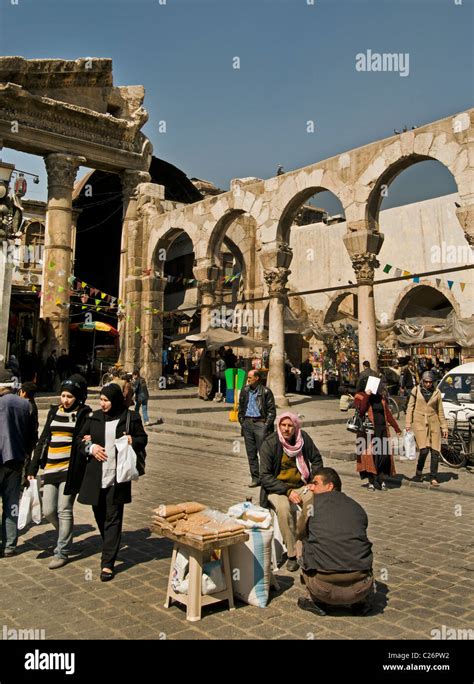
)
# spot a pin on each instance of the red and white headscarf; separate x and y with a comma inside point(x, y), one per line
point(294, 450)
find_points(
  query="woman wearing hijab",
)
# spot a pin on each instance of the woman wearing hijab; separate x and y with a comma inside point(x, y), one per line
point(425, 413)
point(99, 487)
point(374, 457)
point(56, 453)
point(288, 461)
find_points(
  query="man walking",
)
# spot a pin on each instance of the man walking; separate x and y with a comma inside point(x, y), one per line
point(141, 395)
point(17, 432)
point(257, 414)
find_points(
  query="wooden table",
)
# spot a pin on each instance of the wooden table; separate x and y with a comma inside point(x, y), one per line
point(194, 600)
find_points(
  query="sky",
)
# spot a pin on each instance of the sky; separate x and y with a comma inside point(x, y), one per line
point(297, 65)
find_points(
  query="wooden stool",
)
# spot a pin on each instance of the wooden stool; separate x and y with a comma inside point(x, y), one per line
point(194, 600)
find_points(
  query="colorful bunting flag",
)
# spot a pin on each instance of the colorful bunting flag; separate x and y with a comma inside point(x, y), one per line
point(387, 268)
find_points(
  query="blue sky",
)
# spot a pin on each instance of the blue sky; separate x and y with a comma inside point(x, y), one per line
point(297, 63)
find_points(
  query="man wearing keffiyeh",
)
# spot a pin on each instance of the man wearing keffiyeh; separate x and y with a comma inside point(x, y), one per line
point(288, 461)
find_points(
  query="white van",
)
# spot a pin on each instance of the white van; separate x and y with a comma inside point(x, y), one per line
point(457, 390)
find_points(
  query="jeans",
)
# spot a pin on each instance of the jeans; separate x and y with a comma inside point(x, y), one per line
point(10, 485)
point(57, 508)
point(144, 405)
point(434, 461)
point(254, 433)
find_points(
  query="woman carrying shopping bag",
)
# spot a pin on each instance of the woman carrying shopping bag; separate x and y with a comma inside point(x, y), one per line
point(373, 450)
point(99, 487)
point(425, 415)
point(56, 453)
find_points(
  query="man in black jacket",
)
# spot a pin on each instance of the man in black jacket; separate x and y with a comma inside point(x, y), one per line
point(335, 554)
point(281, 474)
point(257, 414)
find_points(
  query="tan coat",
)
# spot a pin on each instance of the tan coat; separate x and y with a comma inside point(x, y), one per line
point(426, 419)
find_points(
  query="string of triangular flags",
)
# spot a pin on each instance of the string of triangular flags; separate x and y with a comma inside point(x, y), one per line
point(193, 281)
point(397, 272)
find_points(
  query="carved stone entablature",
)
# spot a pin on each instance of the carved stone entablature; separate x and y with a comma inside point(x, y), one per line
point(62, 169)
point(130, 182)
point(276, 279)
point(43, 115)
point(364, 266)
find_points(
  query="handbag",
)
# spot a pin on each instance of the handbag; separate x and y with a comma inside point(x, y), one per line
point(359, 424)
point(141, 455)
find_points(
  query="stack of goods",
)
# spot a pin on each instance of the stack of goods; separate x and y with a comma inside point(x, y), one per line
point(195, 521)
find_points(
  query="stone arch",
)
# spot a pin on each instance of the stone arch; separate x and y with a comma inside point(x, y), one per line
point(218, 232)
point(334, 303)
point(162, 246)
point(376, 195)
point(291, 207)
point(403, 299)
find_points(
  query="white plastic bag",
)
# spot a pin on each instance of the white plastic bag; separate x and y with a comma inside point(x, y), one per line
point(409, 445)
point(126, 461)
point(250, 515)
point(30, 505)
point(212, 579)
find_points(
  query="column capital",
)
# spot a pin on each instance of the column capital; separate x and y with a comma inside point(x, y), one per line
point(276, 279)
point(207, 286)
point(465, 217)
point(275, 255)
point(62, 169)
point(364, 266)
point(131, 180)
point(363, 242)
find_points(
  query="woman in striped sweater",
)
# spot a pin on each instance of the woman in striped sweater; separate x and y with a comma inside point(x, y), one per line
point(55, 452)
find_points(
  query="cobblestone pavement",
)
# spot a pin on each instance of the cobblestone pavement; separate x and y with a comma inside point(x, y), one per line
point(423, 550)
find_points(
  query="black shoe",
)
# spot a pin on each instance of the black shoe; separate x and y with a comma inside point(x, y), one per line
point(360, 608)
point(106, 576)
point(292, 565)
point(8, 553)
point(254, 483)
point(311, 606)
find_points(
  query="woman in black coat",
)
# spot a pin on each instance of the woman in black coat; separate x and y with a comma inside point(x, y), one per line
point(99, 487)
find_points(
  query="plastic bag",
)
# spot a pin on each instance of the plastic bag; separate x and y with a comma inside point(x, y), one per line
point(250, 515)
point(409, 445)
point(30, 505)
point(212, 580)
point(126, 461)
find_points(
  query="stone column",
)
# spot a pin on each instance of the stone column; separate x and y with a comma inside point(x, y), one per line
point(6, 272)
point(363, 247)
point(152, 329)
point(131, 269)
point(276, 279)
point(207, 289)
point(61, 169)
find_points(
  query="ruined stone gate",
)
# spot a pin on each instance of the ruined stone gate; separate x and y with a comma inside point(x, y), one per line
point(357, 178)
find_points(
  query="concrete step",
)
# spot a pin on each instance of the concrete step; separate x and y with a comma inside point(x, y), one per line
point(230, 448)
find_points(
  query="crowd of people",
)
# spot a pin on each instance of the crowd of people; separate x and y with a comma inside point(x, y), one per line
point(77, 453)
